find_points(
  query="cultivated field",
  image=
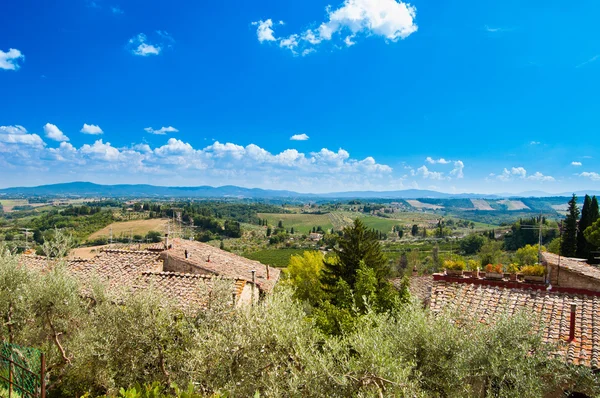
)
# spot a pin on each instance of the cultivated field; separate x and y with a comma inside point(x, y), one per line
point(514, 204)
point(136, 227)
point(481, 204)
point(420, 205)
point(300, 222)
point(8, 204)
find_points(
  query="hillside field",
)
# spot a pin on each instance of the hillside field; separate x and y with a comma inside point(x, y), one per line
point(302, 223)
point(135, 227)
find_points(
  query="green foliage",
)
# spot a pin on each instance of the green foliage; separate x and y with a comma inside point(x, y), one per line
point(569, 240)
point(533, 270)
point(528, 255)
point(472, 243)
point(455, 264)
point(592, 233)
point(490, 252)
point(304, 273)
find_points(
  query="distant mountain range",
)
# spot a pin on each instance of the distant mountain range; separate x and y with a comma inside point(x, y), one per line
point(88, 189)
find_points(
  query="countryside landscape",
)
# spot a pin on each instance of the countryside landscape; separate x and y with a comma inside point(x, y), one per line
point(326, 198)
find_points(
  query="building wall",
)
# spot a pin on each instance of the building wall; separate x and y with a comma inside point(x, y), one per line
point(172, 264)
point(246, 296)
point(566, 278)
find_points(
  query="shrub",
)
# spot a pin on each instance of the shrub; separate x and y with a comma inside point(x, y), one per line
point(513, 268)
point(455, 265)
point(472, 265)
point(534, 270)
point(494, 268)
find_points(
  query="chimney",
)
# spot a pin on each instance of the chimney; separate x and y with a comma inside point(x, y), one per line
point(572, 322)
point(167, 241)
point(268, 277)
point(253, 284)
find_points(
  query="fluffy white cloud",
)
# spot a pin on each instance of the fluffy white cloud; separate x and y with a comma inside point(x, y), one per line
point(92, 129)
point(101, 151)
point(521, 173)
point(18, 135)
point(162, 130)
point(54, 133)
point(458, 169)
point(299, 137)
point(139, 46)
point(390, 19)
point(264, 31)
point(537, 176)
point(10, 60)
point(534, 143)
point(430, 160)
point(116, 10)
point(577, 164)
point(424, 172)
point(592, 175)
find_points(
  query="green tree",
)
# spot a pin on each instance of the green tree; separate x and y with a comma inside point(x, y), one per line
point(472, 243)
point(357, 244)
point(583, 247)
point(490, 252)
point(527, 255)
point(592, 233)
point(414, 231)
point(304, 274)
point(569, 239)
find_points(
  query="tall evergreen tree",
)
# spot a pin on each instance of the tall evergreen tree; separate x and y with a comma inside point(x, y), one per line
point(583, 248)
point(568, 247)
point(358, 244)
point(594, 211)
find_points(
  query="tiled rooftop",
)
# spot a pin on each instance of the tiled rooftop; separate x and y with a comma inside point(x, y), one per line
point(574, 265)
point(485, 303)
point(189, 291)
point(222, 263)
point(134, 269)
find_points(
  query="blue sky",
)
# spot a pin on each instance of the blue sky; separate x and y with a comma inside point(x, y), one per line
point(471, 96)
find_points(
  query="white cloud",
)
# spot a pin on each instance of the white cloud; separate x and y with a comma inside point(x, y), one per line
point(162, 130)
point(424, 172)
point(589, 61)
point(54, 133)
point(519, 172)
point(116, 10)
point(139, 46)
point(537, 176)
point(299, 137)
point(592, 175)
point(440, 160)
point(458, 169)
point(390, 19)
point(101, 150)
point(265, 30)
point(18, 135)
point(10, 60)
point(577, 164)
point(534, 143)
point(91, 129)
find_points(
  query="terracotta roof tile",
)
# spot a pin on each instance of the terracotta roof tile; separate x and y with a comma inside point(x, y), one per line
point(222, 263)
point(485, 303)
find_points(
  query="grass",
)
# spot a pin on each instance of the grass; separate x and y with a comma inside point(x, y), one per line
point(279, 258)
point(135, 227)
point(8, 204)
point(302, 223)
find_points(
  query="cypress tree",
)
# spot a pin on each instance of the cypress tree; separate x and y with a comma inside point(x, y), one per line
point(583, 249)
point(568, 247)
point(358, 244)
point(594, 211)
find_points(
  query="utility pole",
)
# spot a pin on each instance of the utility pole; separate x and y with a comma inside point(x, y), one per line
point(111, 236)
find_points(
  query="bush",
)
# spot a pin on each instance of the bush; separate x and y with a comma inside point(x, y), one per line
point(494, 268)
point(533, 270)
point(455, 265)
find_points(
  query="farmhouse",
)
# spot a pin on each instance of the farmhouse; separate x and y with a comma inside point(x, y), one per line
point(568, 307)
point(188, 272)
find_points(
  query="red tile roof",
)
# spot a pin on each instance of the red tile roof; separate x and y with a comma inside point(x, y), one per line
point(222, 263)
point(485, 303)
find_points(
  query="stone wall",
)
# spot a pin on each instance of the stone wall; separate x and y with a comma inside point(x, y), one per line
point(569, 279)
point(172, 264)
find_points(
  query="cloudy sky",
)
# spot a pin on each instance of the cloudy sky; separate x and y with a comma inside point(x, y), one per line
point(313, 96)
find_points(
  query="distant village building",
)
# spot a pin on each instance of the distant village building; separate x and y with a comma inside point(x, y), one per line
point(187, 272)
point(315, 236)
